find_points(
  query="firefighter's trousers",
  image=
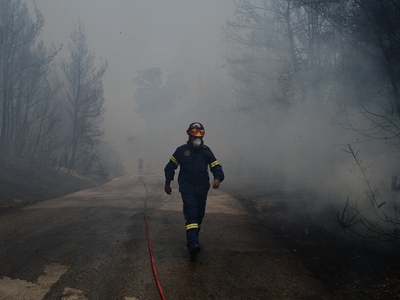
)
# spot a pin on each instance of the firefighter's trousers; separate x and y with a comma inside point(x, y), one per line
point(194, 206)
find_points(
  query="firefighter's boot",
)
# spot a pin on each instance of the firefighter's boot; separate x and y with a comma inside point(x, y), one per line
point(194, 250)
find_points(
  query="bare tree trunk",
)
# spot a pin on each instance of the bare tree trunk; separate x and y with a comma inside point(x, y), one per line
point(84, 92)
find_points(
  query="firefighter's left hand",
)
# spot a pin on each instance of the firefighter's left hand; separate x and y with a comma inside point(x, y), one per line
point(216, 183)
point(168, 190)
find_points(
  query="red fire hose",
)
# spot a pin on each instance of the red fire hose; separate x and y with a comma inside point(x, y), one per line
point(153, 266)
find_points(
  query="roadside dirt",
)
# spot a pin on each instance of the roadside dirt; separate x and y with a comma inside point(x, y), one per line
point(23, 182)
point(258, 243)
point(349, 267)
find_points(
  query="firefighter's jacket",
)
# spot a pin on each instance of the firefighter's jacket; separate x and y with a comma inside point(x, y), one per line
point(193, 173)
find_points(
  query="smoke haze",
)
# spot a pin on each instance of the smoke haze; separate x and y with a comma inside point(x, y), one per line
point(136, 35)
point(187, 35)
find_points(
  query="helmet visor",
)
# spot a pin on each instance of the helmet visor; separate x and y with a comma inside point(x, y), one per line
point(196, 129)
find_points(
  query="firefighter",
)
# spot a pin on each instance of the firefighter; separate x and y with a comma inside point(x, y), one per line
point(193, 159)
point(140, 166)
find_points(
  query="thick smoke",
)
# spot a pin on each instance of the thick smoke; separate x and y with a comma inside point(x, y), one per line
point(297, 149)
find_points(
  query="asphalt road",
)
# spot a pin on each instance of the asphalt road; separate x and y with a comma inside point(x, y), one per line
point(93, 245)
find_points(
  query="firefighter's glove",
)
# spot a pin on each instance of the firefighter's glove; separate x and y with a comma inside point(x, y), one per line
point(168, 190)
point(216, 183)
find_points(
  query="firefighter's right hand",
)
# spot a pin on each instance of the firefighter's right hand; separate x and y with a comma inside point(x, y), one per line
point(168, 190)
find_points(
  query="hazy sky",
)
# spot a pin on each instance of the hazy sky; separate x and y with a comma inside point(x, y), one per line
point(135, 35)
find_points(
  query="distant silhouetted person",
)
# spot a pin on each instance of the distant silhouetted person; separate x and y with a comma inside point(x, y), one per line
point(140, 166)
point(194, 159)
point(395, 186)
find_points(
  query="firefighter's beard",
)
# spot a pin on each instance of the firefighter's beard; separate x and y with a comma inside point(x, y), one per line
point(197, 143)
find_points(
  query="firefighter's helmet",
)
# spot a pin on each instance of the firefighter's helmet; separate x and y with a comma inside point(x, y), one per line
point(196, 129)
